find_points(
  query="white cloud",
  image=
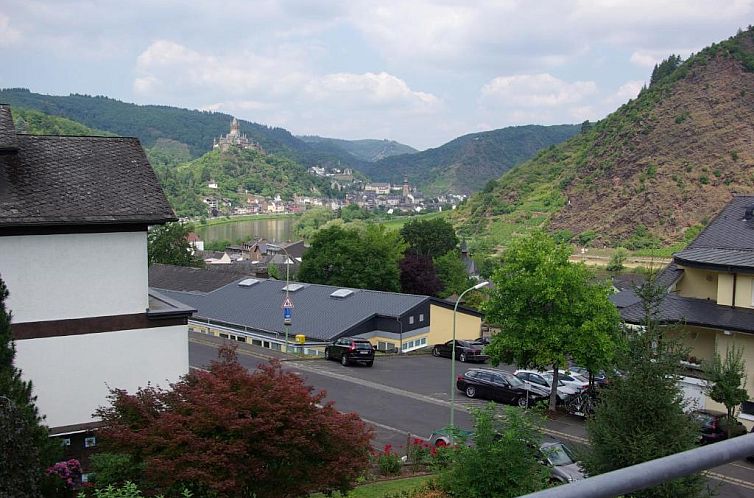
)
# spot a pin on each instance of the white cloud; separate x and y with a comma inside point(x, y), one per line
point(380, 89)
point(8, 34)
point(535, 90)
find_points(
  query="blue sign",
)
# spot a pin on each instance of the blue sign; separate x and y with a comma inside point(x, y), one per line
point(287, 313)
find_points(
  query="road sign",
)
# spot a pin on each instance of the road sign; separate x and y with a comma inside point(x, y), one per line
point(287, 303)
point(287, 314)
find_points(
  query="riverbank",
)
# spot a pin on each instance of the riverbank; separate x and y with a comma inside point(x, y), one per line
point(221, 220)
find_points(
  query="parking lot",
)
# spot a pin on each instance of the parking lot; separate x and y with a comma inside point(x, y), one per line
point(410, 396)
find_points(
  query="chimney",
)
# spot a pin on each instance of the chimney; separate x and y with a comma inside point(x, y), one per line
point(8, 142)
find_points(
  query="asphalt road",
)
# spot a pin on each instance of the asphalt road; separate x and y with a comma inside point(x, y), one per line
point(410, 396)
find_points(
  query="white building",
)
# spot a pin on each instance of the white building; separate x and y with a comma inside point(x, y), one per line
point(73, 254)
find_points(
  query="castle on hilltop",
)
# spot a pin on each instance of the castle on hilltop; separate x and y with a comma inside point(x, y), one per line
point(235, 139)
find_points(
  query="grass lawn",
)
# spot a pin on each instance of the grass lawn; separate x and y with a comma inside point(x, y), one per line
point(381, 488)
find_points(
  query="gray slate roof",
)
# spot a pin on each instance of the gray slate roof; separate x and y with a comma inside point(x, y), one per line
point(184, 278)
point(8, 140)
point(690, 311)
point(727, 241)
point(315, 313)
point(56, 180)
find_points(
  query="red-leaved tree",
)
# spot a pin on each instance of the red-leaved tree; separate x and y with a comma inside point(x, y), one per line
point(232, 432)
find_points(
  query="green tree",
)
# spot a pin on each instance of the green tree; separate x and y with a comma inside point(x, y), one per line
point(168, 244)
point(312, 220)
point(550, 310)
point(22, 433)
point(727, 381)
point(641, 416)
point(433, 237)
point(452, 273)
point(502, 462)
point(364, 257)
point(617, 259)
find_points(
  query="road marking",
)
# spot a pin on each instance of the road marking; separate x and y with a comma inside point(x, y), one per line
point(731, 480)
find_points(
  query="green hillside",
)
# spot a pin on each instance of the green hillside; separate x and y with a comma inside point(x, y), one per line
point(150, 123)
point(38, 123)
point(466, 164)
point(648, 175)
point(366, 150)
point(235, 171)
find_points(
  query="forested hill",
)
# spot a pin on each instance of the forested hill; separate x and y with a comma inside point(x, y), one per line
point(661, 164)
point(38, 123)
point(235, 172)
point(467, 163)
point(150, 123)
point(366, 150)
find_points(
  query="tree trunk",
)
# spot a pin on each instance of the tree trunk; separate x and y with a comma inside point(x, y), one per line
point(554, 389)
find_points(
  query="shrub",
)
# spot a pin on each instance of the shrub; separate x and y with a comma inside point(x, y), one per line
point(617, 259)
point(388, 461)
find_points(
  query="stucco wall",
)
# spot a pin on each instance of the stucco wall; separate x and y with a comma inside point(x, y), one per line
point(741, 340)
point(441, 325)
point(697, 283)
point(54, 277)
point(71, 374)
point(701, 341)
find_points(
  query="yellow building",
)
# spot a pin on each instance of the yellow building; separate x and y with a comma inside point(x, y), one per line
point(710, 296)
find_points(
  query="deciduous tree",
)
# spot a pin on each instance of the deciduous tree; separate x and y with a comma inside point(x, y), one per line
point(418, 276)
point(433, 237)
point(549, 310)
point(452, 273)
point(727, 381)
point(363, 257)
point(237, 433)
point(168, 244)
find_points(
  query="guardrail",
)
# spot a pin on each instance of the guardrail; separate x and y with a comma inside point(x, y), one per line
point(647, 474)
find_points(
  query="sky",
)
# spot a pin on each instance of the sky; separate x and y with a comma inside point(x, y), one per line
point(417, 71)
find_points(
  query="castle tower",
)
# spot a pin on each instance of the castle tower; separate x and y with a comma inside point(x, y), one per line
point(234, 129)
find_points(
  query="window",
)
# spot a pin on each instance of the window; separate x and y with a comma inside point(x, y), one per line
point(224, 336)
point(66, 441)
point(90, 442)
point(423, 341)
point(747, 407)
point(421, 317)
point(411, 320)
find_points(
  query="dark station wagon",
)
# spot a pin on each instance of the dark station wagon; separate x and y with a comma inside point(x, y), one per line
point(348, 350)
point(465, 350)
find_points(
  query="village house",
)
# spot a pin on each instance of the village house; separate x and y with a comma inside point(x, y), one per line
point(710, 298)
point(74, 213)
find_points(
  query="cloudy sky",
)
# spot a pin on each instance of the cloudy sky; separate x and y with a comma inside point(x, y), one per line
point(418, 71)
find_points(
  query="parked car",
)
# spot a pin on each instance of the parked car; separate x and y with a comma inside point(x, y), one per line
point(482, 340)
point(572, 379)
point(712, 426)
point(465, 350)
point(600, 377)
point(543, 379)
point(447, 437)
point(563, 466)
point(350, 350)
point(497, 385)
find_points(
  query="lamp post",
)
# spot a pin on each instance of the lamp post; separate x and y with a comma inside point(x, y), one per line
point(288, 261)
point(453, 354)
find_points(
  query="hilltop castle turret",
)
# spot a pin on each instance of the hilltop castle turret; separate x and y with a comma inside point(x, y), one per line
point(235, 139)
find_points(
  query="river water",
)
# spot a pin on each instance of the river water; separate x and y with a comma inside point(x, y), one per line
point(274, 230)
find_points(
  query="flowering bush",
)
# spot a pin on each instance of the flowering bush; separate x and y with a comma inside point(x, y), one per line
point(420, 452)
point(388, 461)
point(69, 472)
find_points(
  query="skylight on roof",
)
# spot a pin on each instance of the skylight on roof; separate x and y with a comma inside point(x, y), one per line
point(293, 287)
point(248, 282)
point(342, 293)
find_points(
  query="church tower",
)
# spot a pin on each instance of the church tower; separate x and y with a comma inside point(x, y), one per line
point(406, 190)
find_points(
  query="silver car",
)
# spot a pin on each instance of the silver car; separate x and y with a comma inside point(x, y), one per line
point(563, 466)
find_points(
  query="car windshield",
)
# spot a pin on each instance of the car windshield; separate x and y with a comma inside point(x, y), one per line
point(548, 378)
point(557, 454)
point(513, 380)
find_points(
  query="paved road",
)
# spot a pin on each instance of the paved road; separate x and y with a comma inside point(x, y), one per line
point(408, 396)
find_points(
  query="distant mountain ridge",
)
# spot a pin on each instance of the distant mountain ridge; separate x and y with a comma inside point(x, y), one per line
point(467, 163)
point(658, 167)
point(370, 150)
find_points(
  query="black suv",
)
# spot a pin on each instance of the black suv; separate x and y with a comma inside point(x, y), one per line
point(349, 350)
point(497, 385)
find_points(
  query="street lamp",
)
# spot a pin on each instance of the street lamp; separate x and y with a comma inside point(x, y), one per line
point(288, 261)
point(453, 354)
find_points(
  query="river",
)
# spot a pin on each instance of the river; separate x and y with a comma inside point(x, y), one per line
point(274, 230)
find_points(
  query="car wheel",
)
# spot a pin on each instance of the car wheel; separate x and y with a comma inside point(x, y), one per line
point(522, 402)
point(370, 363)
point(344, 360)
point(462, 357)
point(441, 443)
point(435, 352)
point(327, 354)
point(471, 391)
